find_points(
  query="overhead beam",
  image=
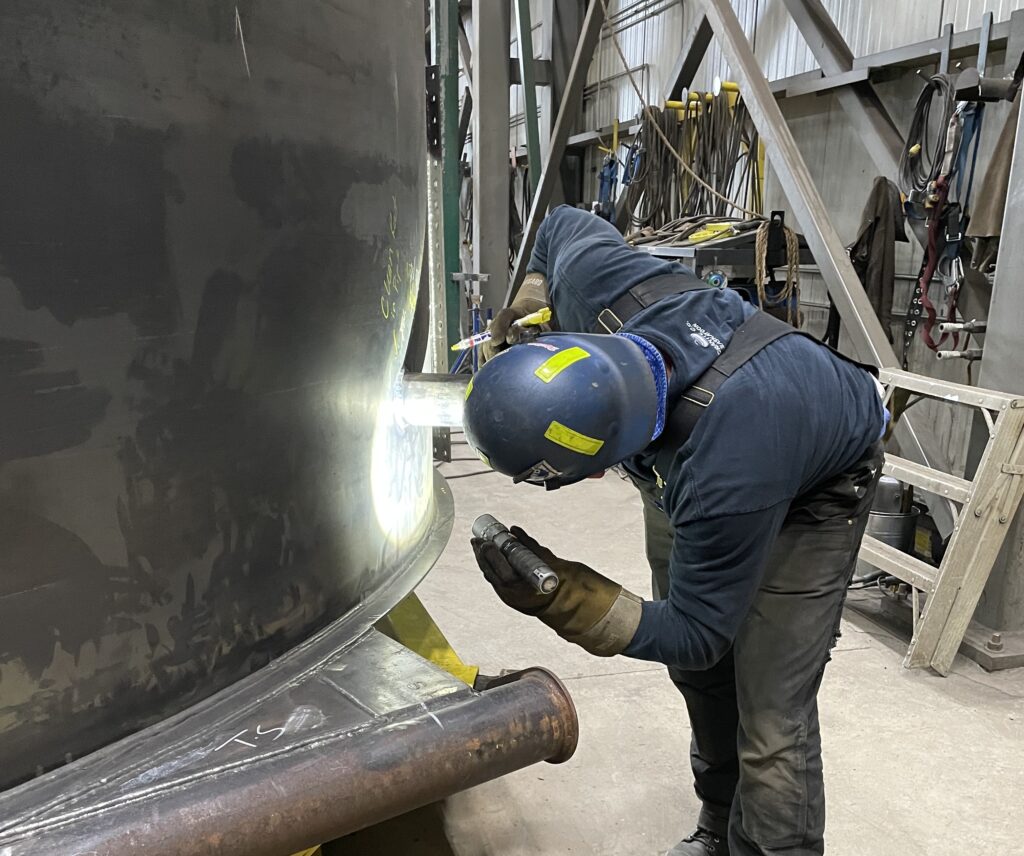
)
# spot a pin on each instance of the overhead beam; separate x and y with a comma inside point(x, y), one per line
point(824, 83)
point(869, 341)
point(567, 110)
point(964, 43)
point(821, 34)
point(875, 127)
point(695, 48)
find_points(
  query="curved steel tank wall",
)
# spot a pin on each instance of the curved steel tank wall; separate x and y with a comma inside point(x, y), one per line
point(210, 237)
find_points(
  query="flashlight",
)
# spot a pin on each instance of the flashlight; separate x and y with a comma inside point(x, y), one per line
point(522, 559)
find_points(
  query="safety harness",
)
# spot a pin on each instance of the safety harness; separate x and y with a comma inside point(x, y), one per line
point(748, 340)
point(947, 222)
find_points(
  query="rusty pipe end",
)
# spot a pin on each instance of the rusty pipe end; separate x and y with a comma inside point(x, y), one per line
point(566, 720)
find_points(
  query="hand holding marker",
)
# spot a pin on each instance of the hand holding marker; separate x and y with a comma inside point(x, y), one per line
point(534, 319)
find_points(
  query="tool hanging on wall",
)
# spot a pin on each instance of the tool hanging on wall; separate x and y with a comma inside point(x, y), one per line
point(608, 179)
point(714, 135)
point(788, 295)
point(937, 175)
point(873, 253)
point(987, 216)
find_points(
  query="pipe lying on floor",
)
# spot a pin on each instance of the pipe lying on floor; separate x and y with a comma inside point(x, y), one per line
point(327, 789)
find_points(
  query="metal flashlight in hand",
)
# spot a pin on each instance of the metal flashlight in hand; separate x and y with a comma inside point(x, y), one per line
point(522, 559)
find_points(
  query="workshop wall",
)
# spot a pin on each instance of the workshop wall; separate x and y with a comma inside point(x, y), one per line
point(652, 33)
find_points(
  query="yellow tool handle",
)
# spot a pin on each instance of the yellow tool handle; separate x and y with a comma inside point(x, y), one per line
point(541, 316)
point(708, 232)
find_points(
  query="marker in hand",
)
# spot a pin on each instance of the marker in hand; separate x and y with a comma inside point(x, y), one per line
point(534, 319)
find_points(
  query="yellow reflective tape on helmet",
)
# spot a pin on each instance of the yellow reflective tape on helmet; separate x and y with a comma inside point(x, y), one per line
point(573, 440)
point(469, 387)
point(555, 365)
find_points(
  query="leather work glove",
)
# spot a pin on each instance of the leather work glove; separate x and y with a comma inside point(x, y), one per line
point(532, 297)
point(587, 609)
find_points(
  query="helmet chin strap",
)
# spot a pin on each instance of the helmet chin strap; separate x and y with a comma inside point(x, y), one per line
point(659, 371)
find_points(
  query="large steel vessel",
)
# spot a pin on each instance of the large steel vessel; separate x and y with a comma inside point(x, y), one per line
point(211, 221)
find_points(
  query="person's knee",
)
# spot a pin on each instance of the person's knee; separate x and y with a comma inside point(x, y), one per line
point(774, 788)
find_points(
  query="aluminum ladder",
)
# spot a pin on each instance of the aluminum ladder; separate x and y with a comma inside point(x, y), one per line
point(984, 508)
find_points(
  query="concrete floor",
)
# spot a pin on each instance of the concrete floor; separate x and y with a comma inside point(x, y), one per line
point(914, 763)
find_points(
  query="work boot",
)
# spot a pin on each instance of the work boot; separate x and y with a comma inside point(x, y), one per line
point(701, 843)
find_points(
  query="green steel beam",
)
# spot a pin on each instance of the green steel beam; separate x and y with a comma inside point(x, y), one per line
point(572, 98)
point(526, 75)
point(445, 26)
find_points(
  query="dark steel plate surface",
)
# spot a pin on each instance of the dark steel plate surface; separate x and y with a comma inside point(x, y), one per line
point(211, 222)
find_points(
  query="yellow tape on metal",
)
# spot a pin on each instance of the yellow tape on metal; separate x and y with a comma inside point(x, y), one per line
point(554, 366)
point(411, 624)
point(469, 387)
point(573, 440)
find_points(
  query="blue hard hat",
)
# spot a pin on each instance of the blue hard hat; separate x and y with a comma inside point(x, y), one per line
point(562, 407)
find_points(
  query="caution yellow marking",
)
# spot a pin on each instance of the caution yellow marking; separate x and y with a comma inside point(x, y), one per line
point(469, 387)
point(555, 365)
point(411, 624)
point(573, 440)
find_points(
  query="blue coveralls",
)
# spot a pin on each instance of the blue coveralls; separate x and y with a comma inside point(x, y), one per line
point(752, 540)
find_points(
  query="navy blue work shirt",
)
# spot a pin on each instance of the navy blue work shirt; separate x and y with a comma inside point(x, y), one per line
point(788, 420)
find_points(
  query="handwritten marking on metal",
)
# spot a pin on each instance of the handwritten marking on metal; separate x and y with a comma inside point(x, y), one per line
point(398, 274)
point(260, 732)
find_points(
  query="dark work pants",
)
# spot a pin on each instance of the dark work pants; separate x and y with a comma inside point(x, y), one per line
point(756, 747)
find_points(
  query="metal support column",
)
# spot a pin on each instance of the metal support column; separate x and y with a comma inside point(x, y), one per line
point(874, 126)
point(492, 32)
point(445, 43)
point(437, 353)
point(869, 341)
point(1002, 605)
point(524, 35)
point(567, 109)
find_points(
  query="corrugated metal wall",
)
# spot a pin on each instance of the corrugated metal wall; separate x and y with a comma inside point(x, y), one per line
point(649, 31)
point(652, 33)
point(965, 14)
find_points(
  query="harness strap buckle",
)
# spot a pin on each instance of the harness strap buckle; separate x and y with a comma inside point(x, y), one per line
point(615, 319)
point(710, 396)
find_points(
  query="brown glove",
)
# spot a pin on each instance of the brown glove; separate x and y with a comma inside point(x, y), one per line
point(532, 297)
point(587, 608)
